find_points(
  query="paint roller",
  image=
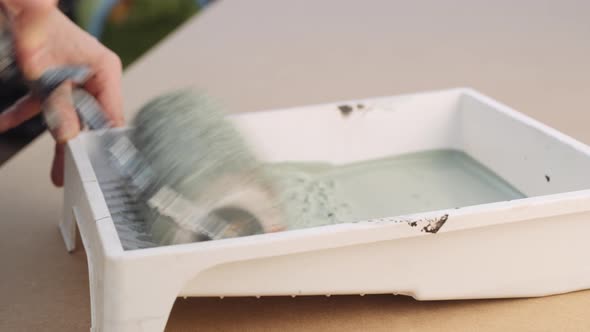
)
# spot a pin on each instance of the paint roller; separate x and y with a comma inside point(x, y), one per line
point(193, 174)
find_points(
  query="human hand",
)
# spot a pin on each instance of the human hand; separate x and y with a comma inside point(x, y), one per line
point(43, 39)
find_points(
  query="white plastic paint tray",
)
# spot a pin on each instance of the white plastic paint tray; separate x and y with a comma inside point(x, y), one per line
point(526, 247)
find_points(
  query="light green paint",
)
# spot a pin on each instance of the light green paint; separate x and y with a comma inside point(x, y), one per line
point(321, 193)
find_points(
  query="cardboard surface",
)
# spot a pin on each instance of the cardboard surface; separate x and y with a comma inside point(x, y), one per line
point(263, 54)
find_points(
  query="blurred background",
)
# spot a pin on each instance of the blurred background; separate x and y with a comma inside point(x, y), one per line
point(128, 27)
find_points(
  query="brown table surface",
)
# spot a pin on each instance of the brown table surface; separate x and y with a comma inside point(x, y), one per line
point(262, 54)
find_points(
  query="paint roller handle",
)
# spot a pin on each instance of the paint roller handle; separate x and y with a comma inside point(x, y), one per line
point(88, 109)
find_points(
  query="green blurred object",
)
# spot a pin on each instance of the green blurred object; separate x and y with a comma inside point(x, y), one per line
point(145, 23)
